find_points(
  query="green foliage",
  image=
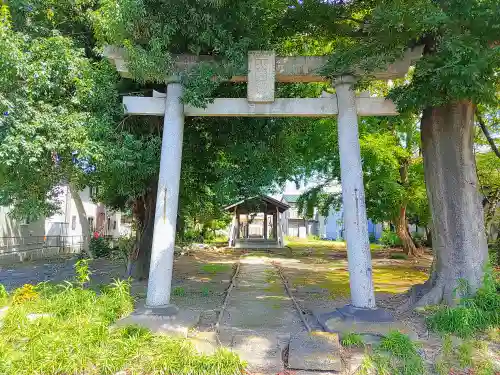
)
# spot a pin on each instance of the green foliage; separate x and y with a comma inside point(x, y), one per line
point(82, 272)
point(179, 291)
point(352, 339)
point(50, 95)
point(75, 337)
point(473, 315)
point(204, 27)
point(460, 40)
point(392, 173)
point(389, 239)
point(3, 292)
point(465, 353)
point(99, 247)
point(399, 345)
point(205, 291)
point(125, 247)
point(396, 354)
point(469, 355)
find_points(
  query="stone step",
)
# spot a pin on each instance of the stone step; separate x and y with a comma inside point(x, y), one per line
point(263, 354)
point(318, 351)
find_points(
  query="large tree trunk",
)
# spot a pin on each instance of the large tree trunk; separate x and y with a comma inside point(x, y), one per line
point(82, 216)
point(458, 238)
point(428, 236)
point(140, 270)
point(404, 234)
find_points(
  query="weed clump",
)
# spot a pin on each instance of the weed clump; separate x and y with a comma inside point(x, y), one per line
point(352, 340)
point(473, 314)
point(396, 355)
point(67, 329)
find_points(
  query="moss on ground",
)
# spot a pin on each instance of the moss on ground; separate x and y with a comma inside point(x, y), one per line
point(394, 279)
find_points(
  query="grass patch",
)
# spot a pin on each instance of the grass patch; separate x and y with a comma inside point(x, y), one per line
point(215, 268)
point(307, 246)
point(205, 291)
point(473, 315)
point(352, 340)
point(396, 355)
point(470, 356)
point(4, 295)
point(74, 337)
point(179, 291)
point(376, 246)
point(223, 240)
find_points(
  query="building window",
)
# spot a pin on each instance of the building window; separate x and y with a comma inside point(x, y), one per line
point(73, 222)
point(94, 190)
point(114, 224)
point(91, 223)
point(109, 223)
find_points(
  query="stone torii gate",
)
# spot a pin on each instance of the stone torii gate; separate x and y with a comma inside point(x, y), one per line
point(264, 69)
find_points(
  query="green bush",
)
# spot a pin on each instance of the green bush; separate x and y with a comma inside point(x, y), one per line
point(473, 314)
point(125, 248)
point(389, 239)
point(99, 247)
point(372, 238)
point(191, 235)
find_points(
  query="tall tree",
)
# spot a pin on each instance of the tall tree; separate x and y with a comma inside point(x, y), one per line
point(459, 69)
point(392, 173)
point(49, 97)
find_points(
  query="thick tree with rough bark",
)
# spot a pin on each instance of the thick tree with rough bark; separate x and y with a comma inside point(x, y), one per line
point(458, 70)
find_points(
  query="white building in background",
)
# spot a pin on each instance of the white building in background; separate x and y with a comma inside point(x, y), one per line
point(67, 222)
point(59, 233)
point(329, 227)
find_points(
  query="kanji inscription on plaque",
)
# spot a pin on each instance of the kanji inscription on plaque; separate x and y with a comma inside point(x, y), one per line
point(261, 76)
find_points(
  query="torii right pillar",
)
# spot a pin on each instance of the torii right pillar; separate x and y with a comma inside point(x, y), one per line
point(360, 315)
point(353, 197)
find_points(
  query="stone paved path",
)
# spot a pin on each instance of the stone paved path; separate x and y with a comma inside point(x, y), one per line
point(260, 317)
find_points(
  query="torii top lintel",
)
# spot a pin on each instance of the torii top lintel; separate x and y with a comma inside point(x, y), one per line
point(287, 68)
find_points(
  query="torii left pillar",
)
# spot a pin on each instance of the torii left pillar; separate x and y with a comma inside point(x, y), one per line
point(167, 200)
point(159, 314)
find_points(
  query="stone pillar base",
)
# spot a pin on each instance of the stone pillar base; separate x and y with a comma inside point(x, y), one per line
point(371, 324)
point(167, 320)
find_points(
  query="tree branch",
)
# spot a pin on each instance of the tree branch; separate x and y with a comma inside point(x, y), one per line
point(487, 133)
